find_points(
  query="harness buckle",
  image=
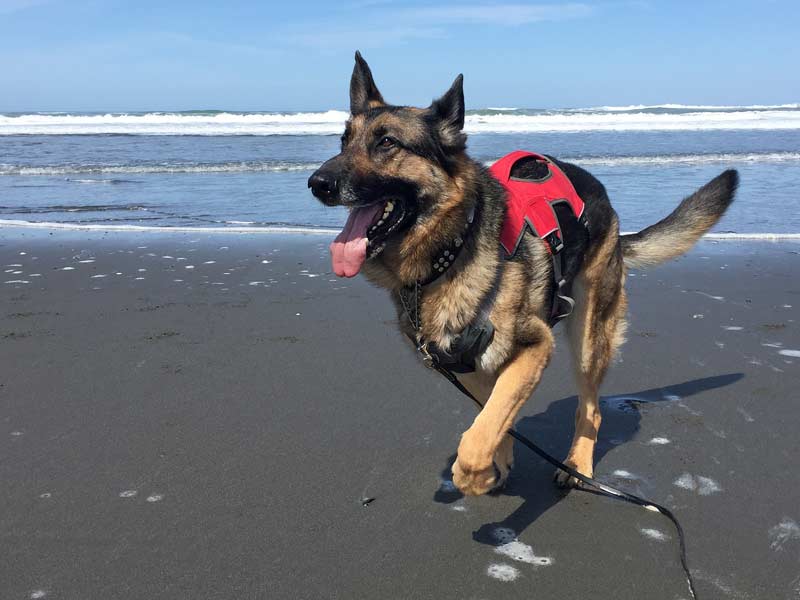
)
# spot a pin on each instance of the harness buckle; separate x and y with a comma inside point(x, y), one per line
point(555, 243)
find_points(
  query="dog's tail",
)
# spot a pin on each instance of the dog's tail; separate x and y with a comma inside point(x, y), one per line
point(677, 233)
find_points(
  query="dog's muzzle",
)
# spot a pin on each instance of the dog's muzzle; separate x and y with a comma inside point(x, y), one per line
point(324, 185)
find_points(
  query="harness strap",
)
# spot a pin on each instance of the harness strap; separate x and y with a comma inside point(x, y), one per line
point(562, 303)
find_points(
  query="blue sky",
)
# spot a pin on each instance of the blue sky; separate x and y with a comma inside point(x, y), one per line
point(235, 55)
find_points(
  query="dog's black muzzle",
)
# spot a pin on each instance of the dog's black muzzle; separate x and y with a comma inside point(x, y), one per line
point(325, 182)
point(324, 185)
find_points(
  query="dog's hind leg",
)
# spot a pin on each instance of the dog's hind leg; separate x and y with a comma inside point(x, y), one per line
point(595, 330)
point(474, 471)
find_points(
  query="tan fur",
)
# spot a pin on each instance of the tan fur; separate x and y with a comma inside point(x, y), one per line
point(656, 251)
point(473, 472)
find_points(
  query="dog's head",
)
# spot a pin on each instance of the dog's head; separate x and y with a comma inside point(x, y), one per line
point(395, 166)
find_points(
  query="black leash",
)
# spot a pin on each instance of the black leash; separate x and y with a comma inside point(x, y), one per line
point(599, 488)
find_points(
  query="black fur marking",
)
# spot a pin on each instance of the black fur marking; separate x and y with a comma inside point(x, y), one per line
point(375, 188)
point(446, 117)
point(363, 90)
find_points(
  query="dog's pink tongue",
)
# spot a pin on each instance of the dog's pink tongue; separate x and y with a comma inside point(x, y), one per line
point(349, 249)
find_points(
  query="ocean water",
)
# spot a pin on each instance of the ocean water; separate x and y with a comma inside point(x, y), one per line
point(221, 169)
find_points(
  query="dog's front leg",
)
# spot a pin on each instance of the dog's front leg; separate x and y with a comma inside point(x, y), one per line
point(480, 385)
point(473, 471)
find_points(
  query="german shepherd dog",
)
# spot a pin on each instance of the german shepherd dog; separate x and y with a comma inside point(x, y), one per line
point(410, 186)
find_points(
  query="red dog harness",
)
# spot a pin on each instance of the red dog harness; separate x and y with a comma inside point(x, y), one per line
point(531, 201)
point(533, 204)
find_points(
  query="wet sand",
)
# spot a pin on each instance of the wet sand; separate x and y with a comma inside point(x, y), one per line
point(200, 416)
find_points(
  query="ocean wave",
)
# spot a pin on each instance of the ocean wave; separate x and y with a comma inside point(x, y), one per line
point(693, 107)
point(72, 208)
point(665, 117)
point(187, 123)
point(102, 181)
point(285, 166)
point(229, 167)
point(10, 223)
point(687, 159)
point(633, 121)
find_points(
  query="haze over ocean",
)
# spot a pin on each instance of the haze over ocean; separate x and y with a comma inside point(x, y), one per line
point(218, 169)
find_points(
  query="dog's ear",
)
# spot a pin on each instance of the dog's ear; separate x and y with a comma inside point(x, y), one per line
point(364, 93)
point(447, 116)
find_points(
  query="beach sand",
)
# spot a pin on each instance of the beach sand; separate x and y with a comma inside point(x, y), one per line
point(201, 416)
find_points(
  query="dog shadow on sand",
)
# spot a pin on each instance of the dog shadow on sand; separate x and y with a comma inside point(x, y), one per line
point(532, 478)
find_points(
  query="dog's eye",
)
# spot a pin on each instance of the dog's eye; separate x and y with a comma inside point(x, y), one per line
point(387, 142)
point(344, 141)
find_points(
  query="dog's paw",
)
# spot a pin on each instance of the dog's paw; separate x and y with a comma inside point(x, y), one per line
point(476, 481)
point(565, 481)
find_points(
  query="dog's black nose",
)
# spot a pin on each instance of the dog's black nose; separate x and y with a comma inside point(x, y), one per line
point(323, 185)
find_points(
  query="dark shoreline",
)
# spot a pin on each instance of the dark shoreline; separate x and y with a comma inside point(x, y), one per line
point(251, 412)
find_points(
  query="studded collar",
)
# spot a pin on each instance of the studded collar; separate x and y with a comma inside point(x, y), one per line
point(448, 255)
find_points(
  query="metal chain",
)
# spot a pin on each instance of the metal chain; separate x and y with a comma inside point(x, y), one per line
point(412, 310)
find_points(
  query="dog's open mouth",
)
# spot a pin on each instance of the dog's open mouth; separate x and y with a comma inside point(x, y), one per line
point(364, 235)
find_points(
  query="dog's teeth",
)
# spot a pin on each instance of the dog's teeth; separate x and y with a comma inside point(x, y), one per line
point(390, 206)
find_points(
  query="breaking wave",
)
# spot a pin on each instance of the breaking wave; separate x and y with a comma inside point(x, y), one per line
point(731, 158)
point(663, 117)
point(228, 167)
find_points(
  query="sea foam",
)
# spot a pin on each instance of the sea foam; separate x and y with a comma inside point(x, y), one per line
point(667, 117)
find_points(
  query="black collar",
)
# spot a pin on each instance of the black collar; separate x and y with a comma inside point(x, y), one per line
point(447, 256)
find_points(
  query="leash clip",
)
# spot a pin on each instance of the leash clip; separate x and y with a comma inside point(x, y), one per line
point(428, 359)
